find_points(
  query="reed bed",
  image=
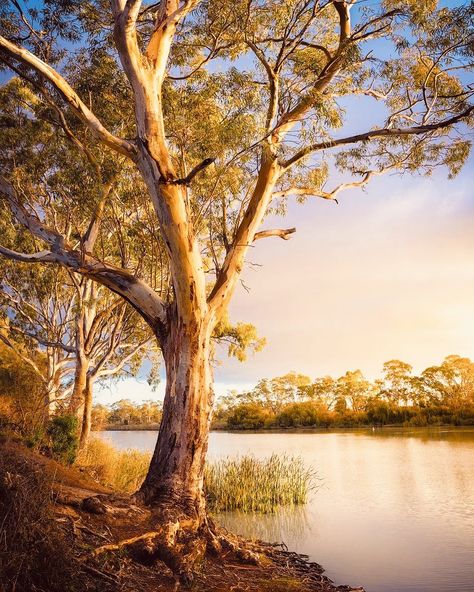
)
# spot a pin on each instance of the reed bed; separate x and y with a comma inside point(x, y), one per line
point(245, 483)
point(249, 484)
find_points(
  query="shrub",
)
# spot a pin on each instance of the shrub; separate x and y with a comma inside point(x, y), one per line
point(304, 414)
point(62, 433)
point(352, 418)
point(248, 416)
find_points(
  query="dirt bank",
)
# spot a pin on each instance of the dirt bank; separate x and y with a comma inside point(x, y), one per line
point(53, 519)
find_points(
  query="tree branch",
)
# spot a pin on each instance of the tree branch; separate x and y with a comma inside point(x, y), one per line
point(378, 133)
point(169, 15)
point(72, 99)
point(44, 342)
point(139, 294)
point(285, 234)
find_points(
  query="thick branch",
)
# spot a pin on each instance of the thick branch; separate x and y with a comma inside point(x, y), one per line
point(330, 70)
point(245, 234)
point(39, 257)
point(141, 296)
point(82, 111)
point(169, 15)
point(378, 133)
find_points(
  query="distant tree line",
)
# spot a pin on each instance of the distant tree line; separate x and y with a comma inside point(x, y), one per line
point(442, 394)
point(126, 413)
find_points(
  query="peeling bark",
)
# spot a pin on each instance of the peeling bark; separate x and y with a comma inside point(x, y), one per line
point(175, 477)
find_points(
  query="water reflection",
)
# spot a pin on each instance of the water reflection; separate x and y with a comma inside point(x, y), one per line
point(273, 528)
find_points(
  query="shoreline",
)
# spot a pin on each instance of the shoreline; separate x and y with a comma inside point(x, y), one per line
point(77, 509)
point(283, 430)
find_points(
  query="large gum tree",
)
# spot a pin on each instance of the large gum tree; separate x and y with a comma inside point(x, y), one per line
point(237, 107)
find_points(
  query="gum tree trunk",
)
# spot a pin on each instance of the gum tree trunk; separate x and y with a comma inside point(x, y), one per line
point(86, 418)
point(175, 477)
point(76, 404)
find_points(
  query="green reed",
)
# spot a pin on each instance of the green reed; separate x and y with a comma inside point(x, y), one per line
point(249, 484)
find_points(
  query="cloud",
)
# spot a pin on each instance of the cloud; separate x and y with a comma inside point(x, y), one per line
point(386, 274)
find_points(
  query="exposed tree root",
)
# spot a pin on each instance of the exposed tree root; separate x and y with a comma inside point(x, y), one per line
point(139, 547)
point(180, 543)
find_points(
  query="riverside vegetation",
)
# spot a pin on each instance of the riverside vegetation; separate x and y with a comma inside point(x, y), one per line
point(440, 394)
point(54, 509)
point(246, 483)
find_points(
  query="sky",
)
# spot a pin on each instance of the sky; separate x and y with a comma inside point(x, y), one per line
point(388, 273)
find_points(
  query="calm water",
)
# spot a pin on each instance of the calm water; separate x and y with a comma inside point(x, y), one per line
point(394, 511)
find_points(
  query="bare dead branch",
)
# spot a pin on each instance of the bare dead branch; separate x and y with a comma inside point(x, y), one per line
point(284, 233)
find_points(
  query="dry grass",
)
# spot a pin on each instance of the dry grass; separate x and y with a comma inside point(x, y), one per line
point(123, 470)
point(34, 555)
point(246, 483)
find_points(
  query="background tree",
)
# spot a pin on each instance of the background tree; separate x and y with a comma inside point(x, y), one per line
point(22, 391)
point(270, 121)
point(449, 385)
point(37, 311)
point(397, 381)
point(354, 389)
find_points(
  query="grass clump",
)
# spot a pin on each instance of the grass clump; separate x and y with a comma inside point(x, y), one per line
point(123, 470)
point(252, 485)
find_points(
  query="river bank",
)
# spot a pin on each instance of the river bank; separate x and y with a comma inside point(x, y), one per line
point(220, 427)
point(80, 535)
point(386, 498)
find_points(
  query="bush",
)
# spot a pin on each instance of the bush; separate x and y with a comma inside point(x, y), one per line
point(62, 433)
point(350, 418)
point(248, 416)
point(304, 414)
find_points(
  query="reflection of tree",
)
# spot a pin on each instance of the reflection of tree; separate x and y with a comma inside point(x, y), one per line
point(287, 525)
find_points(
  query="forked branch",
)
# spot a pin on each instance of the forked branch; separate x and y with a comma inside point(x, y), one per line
point(139, 294)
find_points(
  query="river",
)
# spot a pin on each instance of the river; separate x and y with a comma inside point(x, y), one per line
point(394, 509)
